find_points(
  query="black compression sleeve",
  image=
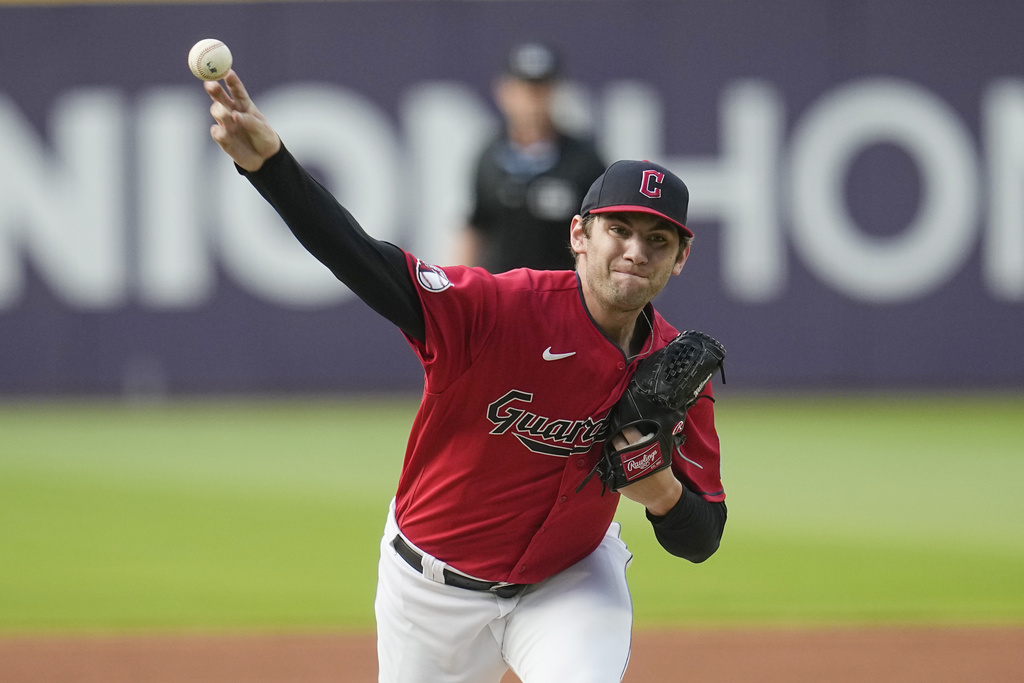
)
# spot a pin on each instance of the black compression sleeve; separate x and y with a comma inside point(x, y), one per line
point(373, 269)
point(692, 529)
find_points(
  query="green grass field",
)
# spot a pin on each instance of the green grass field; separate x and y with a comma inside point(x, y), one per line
point(266, 515)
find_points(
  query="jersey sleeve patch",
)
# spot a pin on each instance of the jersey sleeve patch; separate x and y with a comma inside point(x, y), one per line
point(431, 278)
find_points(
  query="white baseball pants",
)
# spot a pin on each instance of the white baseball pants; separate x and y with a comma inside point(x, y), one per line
point(574, 627)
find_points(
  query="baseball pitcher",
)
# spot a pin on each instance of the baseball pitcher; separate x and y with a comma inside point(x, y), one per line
point(547, 396)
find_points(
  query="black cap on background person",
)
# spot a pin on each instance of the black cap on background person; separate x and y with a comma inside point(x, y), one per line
point(534, 62)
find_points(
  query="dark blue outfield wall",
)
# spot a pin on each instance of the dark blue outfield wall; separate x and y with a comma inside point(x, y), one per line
point(856, 169)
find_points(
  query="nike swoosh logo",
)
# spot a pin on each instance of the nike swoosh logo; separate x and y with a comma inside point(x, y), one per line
point(556, 356)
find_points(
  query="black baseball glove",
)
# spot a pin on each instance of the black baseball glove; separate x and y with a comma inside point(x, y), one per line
point(666, 384)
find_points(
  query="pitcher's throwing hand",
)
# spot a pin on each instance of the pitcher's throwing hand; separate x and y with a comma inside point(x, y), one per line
point(241, 130)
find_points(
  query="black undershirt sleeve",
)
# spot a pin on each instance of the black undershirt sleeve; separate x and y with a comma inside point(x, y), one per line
point(692, 529)
point(373, 269)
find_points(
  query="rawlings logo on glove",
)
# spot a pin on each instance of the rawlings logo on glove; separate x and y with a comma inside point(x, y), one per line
point(637, 465)
point(664, 387)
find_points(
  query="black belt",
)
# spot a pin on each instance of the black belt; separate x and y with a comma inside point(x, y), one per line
point(499, 588)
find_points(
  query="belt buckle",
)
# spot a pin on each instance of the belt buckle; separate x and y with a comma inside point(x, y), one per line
point(506, 590)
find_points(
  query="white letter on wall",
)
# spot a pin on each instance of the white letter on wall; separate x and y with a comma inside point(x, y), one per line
point(66, 208)
point(1003, 133)
point(446, 126)
point(739, 189)
point(347, 141)
point(936, 243)
point(176, 193)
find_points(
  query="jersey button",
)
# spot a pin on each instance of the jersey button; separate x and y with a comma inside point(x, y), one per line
point(562, 499)
point(522, 569)
point(581, 463)
point(622, 366)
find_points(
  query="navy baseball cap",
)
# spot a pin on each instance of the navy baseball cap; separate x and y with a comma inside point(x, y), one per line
point(640, 186)
point(533, 62)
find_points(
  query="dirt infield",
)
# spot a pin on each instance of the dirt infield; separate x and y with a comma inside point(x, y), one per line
point(994, 655)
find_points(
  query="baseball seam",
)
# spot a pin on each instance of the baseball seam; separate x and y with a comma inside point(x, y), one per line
point(199, 58)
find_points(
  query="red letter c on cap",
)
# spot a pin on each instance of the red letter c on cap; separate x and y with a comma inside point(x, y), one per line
point(648, 186)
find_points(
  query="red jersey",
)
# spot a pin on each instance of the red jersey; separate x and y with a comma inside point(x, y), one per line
point(518, 383)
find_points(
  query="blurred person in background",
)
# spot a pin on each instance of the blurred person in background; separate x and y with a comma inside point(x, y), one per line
point(530, 179)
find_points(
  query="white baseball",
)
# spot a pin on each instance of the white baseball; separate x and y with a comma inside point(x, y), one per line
point(209, 59)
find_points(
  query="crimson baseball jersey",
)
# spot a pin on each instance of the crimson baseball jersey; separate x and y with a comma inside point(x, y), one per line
point(518, 383)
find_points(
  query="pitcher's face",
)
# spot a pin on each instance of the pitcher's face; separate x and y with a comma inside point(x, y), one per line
point(627, 258)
